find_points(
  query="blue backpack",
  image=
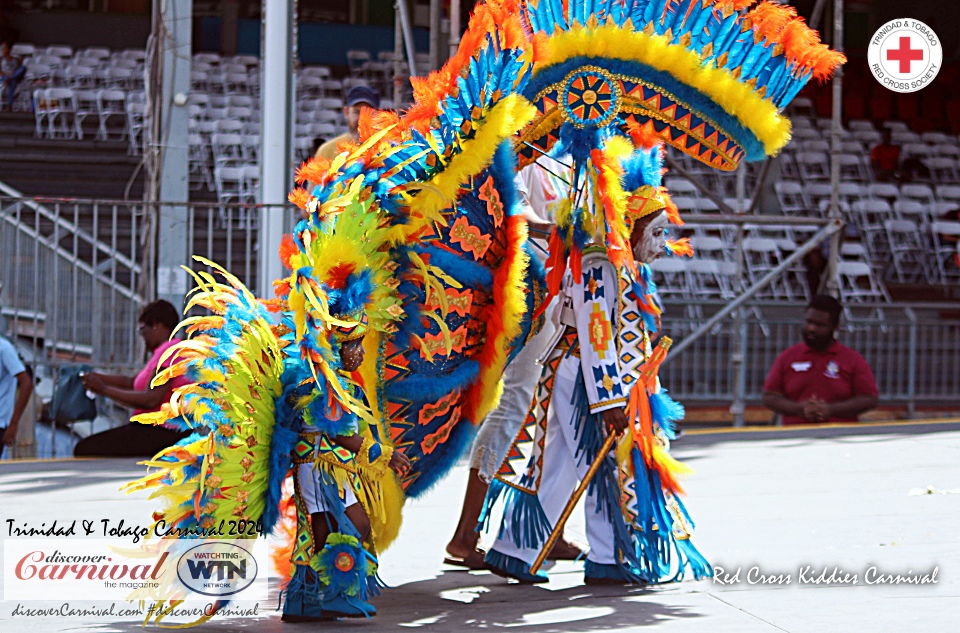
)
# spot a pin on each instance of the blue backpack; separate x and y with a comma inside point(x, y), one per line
point(70, 401)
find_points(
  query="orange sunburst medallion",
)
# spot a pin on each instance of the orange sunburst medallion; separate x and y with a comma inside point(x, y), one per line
point(343, 562)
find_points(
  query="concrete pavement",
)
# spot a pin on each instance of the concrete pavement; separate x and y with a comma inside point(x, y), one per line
point(866, 500)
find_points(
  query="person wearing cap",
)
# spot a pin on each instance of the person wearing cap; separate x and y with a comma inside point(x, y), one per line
point(358, 98)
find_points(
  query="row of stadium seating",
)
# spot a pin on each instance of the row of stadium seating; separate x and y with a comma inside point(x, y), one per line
point(900, 225)
point(936, 107)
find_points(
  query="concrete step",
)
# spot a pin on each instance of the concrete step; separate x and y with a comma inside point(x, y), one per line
point(100, 186)
point(65, 151)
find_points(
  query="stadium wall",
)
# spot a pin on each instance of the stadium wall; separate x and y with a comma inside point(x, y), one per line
point(80, 30)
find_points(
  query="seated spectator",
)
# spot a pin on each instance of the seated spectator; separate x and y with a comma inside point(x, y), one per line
point(885, 158)
point(157, 322)
point(16, 387)
point(11, 74)
point(820, 380)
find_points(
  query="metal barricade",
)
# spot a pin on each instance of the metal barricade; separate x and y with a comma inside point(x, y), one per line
point(914, 354)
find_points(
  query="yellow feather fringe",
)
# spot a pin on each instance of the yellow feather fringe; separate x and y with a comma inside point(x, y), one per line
point(503, 120)
point(514, 307)
point(753, 111)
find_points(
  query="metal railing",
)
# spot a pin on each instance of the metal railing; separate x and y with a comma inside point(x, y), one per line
point(72, 273)
point(914, 353)
point(73, 270)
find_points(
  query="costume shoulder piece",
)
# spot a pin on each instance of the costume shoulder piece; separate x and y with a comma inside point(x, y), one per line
point(434, 193)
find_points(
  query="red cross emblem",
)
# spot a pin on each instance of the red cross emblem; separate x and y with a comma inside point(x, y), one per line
point(905, 54)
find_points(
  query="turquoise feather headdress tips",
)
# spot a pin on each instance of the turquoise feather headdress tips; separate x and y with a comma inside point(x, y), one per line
point(703, 75)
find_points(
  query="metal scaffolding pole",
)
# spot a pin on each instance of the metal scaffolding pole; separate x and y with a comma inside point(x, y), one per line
point(407, 36)
point(436, 14)
point(278, 89)
point(454, 26)
point(739, 344)
point(816, 13)
point(397, 58)
point(174, 22)
point(831, 284)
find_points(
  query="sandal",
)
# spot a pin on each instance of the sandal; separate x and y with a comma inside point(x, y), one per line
point(472, 561)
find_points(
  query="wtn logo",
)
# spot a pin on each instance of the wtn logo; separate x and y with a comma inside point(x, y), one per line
point(217, 568)
point(223, 569)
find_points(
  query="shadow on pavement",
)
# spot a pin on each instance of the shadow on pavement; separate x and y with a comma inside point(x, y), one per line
point(39, 476)
point(457, 601)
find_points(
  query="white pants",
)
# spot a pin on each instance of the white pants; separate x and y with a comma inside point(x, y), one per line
point(561, 474)
point(310, 491)
point(499, 429)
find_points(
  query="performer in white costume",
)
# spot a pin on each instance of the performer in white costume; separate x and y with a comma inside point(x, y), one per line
point(596, 360)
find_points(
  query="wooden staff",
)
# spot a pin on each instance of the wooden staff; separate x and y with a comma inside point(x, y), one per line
point(572, 503)
point(648, 372)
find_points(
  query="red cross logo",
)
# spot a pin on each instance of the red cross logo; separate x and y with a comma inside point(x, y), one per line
point(905, 54)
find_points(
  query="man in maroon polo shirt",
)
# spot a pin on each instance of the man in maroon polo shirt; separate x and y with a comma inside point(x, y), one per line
point(820, 380)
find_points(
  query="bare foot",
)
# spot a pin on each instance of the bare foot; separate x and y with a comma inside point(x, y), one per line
point(462, 546)
point(564, 550)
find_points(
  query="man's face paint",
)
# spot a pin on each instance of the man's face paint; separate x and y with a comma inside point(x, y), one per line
point(654, 240)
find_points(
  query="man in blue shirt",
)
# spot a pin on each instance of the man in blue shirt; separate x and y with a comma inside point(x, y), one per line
point(15, 390)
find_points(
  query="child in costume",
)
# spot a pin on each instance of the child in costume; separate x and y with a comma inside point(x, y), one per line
point(338, 460)
point(612, 80)
point(602, 353)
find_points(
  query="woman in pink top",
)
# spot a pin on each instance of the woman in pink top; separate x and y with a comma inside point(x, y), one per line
point(157, 322)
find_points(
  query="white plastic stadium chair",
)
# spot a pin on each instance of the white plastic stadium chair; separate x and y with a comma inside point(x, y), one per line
point(908, 251)
point(946, 240)
point(859, 286)
point(111, 103)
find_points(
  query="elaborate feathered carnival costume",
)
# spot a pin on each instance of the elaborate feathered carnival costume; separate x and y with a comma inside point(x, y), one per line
point(413, 238)
point(613, 80)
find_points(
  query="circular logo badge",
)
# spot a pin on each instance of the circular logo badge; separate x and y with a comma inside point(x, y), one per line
point(217, 568)
point(905, 55)
point(590, 97)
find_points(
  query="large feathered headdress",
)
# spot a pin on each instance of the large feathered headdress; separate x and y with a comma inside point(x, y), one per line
point(706, 76)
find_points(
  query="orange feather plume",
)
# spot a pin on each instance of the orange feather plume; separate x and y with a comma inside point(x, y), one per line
point(673, 213)
point(288, 248)
point(337, 276)
point(769, 18)
point(643, 135)
point(500, 17)
point(680, 247)
point(313, 170)
point(299, 197)
point(736, 5)
point(779, 24)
